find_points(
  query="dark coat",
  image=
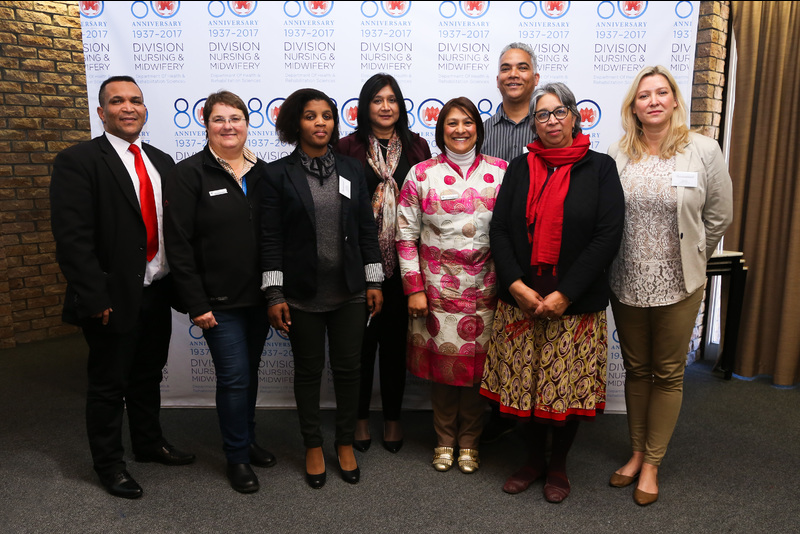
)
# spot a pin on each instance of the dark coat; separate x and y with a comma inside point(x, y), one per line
point(289, 237)
point(212, 231)
point(594, 214)
point(101, 240)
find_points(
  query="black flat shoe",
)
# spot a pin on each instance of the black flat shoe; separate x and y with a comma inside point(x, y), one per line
point(165, 454)
point(260, 457)
point(392, 446)
point(316, 481)
point(122, 484)
point(242, 478)
point(362, 445)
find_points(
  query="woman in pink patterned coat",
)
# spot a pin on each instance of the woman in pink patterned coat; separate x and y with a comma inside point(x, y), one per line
point(448, 274)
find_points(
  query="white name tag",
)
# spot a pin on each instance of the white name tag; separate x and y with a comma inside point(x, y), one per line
point(684, 179)
point(449, 196)
point(217, 192)
point(344, 186)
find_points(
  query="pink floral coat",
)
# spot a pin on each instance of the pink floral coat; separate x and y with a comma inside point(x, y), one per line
point(443, 244)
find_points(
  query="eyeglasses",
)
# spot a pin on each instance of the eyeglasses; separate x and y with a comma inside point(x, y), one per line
point(543, 115)
point(220, 121)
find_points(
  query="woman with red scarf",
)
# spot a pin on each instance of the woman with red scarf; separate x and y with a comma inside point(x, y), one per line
point(556, 228)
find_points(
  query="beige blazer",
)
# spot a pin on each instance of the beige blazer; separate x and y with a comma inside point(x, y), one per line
point(705, 211)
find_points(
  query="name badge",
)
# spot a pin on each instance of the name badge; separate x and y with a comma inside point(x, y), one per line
point(344, 186)
point(449, 196)
point(217, 192)
point(684, 179)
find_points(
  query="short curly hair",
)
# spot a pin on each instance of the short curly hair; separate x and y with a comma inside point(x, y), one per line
point(288, 122)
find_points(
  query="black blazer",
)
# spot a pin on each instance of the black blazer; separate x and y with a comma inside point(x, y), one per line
point(101, 240)
point(594, 215)
point(289, 238)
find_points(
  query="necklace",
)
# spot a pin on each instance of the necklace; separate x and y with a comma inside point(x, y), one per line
point(384, 145)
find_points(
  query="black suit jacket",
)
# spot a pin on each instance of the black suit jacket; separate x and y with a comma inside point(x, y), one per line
point(289, 238)
point(101, 240)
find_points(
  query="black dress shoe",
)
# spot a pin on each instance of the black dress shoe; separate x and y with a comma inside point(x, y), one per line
point(392, 446)
point(316, 481)
point(166, 454)
point(352, 476)
point(242, 478)
point(122, 484)
point(260, 457)
point(362, 445)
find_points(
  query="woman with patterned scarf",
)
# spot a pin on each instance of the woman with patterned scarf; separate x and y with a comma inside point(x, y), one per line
point(556, 228)
point(387, 149)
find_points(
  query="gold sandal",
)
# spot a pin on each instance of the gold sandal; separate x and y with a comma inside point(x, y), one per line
point(468, 460)
point(442, 458)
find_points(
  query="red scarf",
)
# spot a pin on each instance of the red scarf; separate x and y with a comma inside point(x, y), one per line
point(545, 207)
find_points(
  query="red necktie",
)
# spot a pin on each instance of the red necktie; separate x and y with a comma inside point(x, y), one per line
point(148, 202)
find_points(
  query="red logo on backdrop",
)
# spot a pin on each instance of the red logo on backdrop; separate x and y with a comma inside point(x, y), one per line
point(396, 7)
point(428, 112)
point(352, 114)
point(91, 8)
point(166, 8)
point(474, 8)
point(243, 7)
point(555, 9)
point(431, 115)
point(274, 113)
point(199, 112)
point(590, 114)
point(633, 8)
point(318, 7)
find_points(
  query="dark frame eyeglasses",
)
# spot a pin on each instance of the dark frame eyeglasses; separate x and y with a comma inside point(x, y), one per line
point(543, 115)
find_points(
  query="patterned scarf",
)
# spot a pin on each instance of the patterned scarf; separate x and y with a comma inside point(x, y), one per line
point(384, 201)
point(545, 207)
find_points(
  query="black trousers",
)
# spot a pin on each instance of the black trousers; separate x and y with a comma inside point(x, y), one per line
point(124, 370)
point(386, 336)
point(345, 329)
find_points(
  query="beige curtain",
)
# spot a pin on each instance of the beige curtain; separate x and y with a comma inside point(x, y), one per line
point(765, 151)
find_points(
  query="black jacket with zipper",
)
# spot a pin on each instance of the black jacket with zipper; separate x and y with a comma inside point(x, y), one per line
point(211, 233)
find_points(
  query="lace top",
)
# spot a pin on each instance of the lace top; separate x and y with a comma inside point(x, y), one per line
point(647, 270)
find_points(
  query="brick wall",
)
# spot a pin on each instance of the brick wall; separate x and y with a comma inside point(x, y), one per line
point(43, 109)
point(709, 68)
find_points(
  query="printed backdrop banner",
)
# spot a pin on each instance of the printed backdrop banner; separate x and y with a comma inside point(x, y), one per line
point(179, 52)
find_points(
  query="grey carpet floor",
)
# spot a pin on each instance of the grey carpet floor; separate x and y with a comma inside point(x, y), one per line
point(733, 466)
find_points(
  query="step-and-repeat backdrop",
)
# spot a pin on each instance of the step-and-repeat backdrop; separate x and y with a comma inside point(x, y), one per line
point(179, 52)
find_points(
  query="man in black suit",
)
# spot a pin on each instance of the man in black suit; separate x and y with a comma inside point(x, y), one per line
point(110, 250)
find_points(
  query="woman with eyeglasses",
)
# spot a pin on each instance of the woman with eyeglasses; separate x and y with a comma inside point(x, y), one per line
point(679, 203)
point(212, 230)
point(387, 149)
point(556, 228)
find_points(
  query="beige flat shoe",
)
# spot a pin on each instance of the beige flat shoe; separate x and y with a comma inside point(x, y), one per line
point(468, 460)
point(442, 458)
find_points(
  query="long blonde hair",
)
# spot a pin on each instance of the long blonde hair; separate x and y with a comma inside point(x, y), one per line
point(633, 143)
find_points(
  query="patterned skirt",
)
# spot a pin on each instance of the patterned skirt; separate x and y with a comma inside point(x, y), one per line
point(553, 371)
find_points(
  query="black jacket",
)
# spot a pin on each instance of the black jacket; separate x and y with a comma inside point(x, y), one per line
point(211, 230)
point(101, 240)
point(594, 214)
point(289, 238)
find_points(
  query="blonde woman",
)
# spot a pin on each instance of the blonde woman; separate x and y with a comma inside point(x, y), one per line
point(678, 205)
